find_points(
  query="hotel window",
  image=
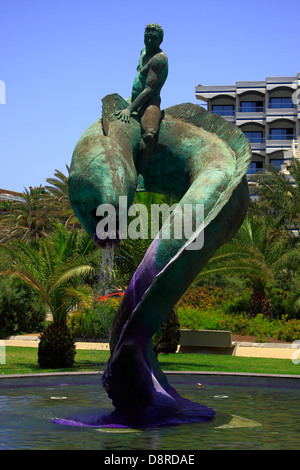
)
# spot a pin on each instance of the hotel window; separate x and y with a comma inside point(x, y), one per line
point(223, 109)
point(251, 106)
point(254, 167)
point(282, 134)
point(277, 163)
point(285, 102)
point(254, 137)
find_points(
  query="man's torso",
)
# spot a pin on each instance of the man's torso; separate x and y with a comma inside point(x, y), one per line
point(158, 63)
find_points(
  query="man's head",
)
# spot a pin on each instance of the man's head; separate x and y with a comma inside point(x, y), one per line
point(153, 36)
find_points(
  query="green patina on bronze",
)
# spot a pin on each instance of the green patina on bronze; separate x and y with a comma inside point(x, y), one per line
point(199, 158)
point(186, 152)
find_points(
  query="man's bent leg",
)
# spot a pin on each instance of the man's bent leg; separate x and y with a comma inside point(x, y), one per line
point(150, 121)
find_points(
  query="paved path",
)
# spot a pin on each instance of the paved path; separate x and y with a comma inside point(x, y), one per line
point(32, 341)
point(268, 350)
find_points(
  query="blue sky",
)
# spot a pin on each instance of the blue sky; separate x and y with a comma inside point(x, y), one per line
point(59, 58)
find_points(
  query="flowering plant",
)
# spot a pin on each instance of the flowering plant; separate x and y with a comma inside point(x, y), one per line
point(94, 322)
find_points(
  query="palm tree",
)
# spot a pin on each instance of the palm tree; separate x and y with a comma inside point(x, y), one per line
point(254, 253)
point(236, 258)
point(264, 236)
point(57, 201)
point(280, 195)
point(26, 220)
point(42, 209)
point(56, 269)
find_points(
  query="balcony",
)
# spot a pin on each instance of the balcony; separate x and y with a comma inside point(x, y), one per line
point(256, 140)
point(281, 105)
point(277, 135)
point(281, 108)
point(249, 112)
point(226, 111)
point(254, 171)
point(273, 114)
point(223, 109)
point(283, 142)
point(252, 109)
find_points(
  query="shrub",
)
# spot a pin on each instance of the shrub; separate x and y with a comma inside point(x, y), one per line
point(203, 297)
point(237, 304)
point(21, 309)
point(278, 299)
point(94, 322)
point(282, 302)
point(167, 338)
point(292, 300)
point(286, 330)
point(195, 319)
point(56, 347)
point(240, 324)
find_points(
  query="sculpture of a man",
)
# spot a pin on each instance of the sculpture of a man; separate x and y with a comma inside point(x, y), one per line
point(152, 71)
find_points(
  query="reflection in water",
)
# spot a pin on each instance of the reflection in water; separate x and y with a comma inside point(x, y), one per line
point(238, 422)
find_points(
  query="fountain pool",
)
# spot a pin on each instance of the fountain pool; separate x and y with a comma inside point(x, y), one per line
point(252, 412)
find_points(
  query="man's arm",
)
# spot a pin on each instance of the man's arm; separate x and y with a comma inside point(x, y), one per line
point(152, 82)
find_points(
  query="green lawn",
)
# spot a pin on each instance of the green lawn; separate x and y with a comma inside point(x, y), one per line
point(22, 360)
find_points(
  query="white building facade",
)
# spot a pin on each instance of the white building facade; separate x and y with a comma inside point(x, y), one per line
point(268, 112)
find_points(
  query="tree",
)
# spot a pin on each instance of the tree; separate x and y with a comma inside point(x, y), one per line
point(21, 308)
point(56, 268)
point(26, 220)
point(168, 337)
point(279, 195)
point(252, 253)
point(42, 209)
point(57, 201)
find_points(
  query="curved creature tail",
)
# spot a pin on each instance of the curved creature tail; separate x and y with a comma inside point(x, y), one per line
point(170, 266)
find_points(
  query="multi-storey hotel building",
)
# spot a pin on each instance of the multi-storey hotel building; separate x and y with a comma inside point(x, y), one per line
point(268, 112)
point(6, 195)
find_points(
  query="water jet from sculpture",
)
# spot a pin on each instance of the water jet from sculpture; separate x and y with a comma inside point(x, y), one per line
point(106, 270)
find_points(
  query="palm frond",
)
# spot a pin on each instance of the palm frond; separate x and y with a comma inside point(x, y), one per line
point(14, 253)
point(82, 294)
point(75, 271)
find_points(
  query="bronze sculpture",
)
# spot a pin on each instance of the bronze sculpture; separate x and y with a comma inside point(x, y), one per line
point(196, 157)
point(152, 72)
